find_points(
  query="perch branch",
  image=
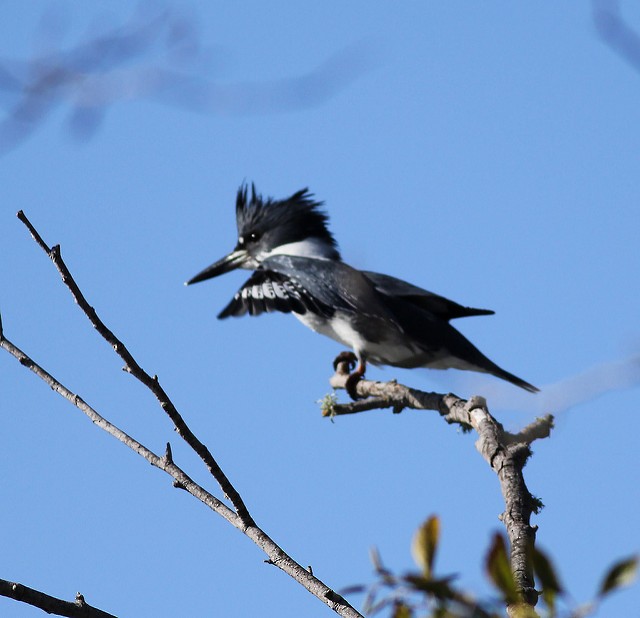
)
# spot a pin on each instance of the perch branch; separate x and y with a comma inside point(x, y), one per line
point(506, 453)
point(73, 609)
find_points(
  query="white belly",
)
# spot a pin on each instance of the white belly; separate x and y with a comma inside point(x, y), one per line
point(338, 328)
point(393, 348)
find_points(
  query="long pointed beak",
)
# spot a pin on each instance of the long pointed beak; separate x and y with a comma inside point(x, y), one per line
point(236, 259)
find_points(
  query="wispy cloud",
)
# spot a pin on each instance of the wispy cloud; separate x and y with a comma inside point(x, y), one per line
point(564, 394)
point(160, 58)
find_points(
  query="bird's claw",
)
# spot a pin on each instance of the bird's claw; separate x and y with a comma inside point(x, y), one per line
point(355, 370)
point(351, 385)
point(345, 357)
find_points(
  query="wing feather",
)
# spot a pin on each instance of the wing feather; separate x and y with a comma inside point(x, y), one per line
point(267, 292)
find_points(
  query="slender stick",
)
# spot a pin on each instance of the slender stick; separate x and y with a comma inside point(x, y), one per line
point(52, 605)
point(275, 554)
point(132, 367)
point(240, 517)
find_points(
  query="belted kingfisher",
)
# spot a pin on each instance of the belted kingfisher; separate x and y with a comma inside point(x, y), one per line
point(298, 269)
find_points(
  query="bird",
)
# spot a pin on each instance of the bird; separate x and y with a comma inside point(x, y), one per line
point(297, 268)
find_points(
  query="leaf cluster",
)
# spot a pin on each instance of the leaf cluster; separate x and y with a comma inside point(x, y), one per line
point(424, 594)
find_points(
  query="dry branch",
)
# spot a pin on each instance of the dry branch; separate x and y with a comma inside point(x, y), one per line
point(132, 367)
point(240, 517)
point(506, 453)
point(72, 609)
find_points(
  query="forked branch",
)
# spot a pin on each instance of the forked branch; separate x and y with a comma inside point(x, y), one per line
point(238, 516)
point(132, 367)
point(506, 453)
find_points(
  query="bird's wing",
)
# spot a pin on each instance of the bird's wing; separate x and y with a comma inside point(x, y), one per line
point(439, 306)
point(425, 317)
point(332, 284)
point(269, 291)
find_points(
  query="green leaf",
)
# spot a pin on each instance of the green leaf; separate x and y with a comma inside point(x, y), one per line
point(425, 544)
point(499, 570)
point(439, 588)
point(402, 611)
point(620, 574)
point(547, 577)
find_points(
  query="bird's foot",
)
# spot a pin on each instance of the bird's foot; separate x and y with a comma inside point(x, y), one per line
point(345, 357)
point(348, 363)
point(351, 385)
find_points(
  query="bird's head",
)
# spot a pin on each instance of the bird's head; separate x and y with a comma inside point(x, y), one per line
point(296, 225)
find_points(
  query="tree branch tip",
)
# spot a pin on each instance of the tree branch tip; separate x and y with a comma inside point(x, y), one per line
point(549, 419)
point(328, 404)
point(34, 234)
point(168, 455)
point(475, 402)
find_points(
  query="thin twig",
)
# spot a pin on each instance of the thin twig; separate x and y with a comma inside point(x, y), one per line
point(132, 367)
point(239, 518)
point(52, 605)
point(163, 463)
point(275, 553)
point(616, 32)
point(506, 454)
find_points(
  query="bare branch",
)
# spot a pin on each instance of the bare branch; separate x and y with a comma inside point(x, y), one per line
point(152, 383)
point(73, 609)
point(239, 518)
point(276, 555)
point(380, 395)
point(506, 454)
point(536, 430)
point(163, 463)
point(615, 32)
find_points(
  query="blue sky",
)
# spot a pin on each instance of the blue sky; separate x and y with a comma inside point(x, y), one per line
point(489, 153)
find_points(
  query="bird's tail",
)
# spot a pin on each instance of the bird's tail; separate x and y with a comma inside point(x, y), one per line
point(509, 377)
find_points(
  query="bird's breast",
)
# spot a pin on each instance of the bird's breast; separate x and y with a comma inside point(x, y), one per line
point(373, 339)
point(338, 327)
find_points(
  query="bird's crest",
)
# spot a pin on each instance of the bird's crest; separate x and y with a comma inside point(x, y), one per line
point(292, 219)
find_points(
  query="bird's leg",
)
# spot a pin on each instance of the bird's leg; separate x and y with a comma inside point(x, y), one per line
point(354, 377)
point(356, 368)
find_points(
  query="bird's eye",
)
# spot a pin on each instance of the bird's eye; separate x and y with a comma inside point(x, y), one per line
point(254, 237)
